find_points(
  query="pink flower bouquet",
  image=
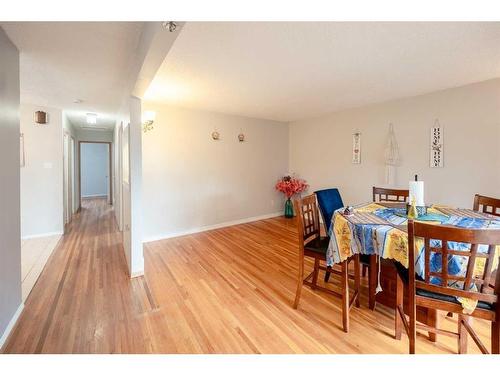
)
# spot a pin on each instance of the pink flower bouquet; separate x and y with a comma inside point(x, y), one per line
point(290, 186)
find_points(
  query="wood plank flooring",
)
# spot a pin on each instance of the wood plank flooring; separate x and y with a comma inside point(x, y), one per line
point(224, 291)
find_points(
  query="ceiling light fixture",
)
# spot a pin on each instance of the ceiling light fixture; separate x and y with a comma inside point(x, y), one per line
point(170, 26)
point(78, 101)
point(91, 118)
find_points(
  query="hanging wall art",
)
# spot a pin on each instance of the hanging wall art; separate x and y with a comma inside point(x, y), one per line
point(391, 156)
point(356, 148)
point(437, 146)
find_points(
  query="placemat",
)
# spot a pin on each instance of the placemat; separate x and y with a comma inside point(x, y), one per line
point(366, 218)
point(464, 212)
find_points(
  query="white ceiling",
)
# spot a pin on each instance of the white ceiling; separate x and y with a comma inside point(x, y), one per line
point(288, 71)
point(65, 61)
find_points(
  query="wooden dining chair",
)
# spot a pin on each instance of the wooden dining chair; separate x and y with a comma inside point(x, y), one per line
point(390, 195)
point(486, 204)
point(313, 246)
point(432, 291)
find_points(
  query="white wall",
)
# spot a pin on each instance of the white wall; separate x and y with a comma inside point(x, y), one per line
point(320, 148)
point(191, 181)
point(94, 169)
point(42, 177)
point(10, 245)
point(94, 135)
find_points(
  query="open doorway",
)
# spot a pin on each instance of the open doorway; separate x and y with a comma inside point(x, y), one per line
point(95, 170)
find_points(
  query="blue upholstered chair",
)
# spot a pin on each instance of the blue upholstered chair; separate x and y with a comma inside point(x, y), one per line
point(329, 200)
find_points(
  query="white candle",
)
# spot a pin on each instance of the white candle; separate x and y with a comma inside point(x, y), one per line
point(417, 192)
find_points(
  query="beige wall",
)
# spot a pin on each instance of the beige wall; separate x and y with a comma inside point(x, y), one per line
point(191, 181)
point(10, 243)
point(42, 177)
point(320, 149)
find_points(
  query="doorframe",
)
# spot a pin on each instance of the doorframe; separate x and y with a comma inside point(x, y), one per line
point(67, 214)
point(73, 146)
point(110, 196)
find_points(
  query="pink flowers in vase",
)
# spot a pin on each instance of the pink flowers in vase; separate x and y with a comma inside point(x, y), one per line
point(290, 186)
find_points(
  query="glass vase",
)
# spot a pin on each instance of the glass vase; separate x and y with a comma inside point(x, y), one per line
point(288, 208)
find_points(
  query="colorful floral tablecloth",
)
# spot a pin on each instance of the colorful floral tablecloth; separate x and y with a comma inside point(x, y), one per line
point(380, 230)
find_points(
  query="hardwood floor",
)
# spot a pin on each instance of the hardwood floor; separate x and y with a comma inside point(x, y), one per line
point(224, 291)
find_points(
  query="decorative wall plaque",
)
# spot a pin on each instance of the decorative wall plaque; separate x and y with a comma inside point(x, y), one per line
point(41, 117)
point(437, 146)
point(356, 148)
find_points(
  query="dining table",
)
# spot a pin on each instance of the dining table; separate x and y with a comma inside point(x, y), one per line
point(379, 231)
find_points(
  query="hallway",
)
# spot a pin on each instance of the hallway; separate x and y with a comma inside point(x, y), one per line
point(84, 301)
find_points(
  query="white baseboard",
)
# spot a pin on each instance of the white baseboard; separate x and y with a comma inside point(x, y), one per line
point(11, 325)
point(58, 233)
point(211, 227)
point(137, 274)
point(94, 196)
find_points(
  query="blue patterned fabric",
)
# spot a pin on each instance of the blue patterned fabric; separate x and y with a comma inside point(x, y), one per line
point(329, 200)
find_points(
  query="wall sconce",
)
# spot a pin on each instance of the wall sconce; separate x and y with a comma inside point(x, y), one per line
point(41, 117)
point(148, 119)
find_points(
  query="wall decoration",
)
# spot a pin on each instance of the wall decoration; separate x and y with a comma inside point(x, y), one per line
point(391, 157)
point(148, 119)
point(437, 146)
point(22, 156)
point(41, 117)
point(356, 148)
point(215, 135)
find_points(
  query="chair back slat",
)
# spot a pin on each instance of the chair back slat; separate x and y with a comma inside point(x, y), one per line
point(446, 234)
point(470, 267)
point(487, 285)
point(486, 204)
point(427, 261)
point(307, 218)
point(444, 264)
point(390, 195)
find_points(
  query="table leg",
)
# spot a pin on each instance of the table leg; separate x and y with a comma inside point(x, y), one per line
point(372, 281)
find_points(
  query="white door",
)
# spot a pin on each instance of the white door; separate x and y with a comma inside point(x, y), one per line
point(66, 178)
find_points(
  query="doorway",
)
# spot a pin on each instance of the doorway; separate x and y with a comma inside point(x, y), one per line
point(95, 170)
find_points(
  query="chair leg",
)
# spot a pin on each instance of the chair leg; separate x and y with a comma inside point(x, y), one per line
point(327, 274)
point(398, 323)
point(300, 283)
point(462, 335)
point(345, 296)
point(413, 321)
point(357, 279)
point(495, 337)
point(315, 274)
